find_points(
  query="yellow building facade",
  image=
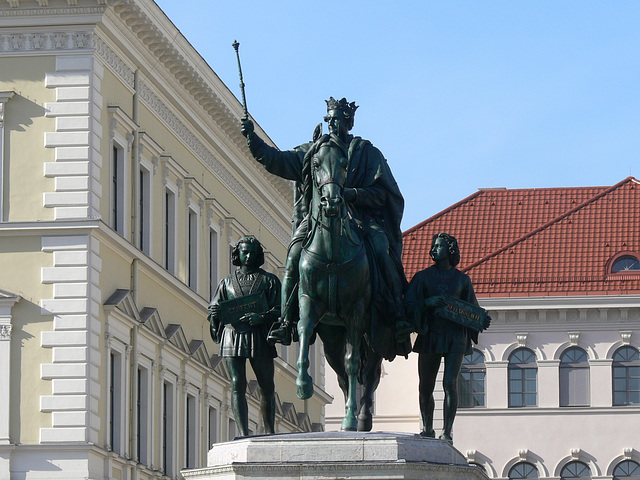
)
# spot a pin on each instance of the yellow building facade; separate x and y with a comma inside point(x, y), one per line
point(125, 182)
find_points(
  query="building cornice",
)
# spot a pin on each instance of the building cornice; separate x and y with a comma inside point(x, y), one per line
point(568, 302)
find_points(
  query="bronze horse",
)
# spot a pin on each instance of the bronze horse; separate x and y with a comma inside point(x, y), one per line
point(335, 288)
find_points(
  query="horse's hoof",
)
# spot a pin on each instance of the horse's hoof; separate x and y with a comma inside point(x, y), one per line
point(304, 387)
point(365, 422)
point(349, 424)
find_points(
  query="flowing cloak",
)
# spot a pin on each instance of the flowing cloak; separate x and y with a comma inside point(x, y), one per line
point(378, 199)
point(435, 333)
point(243, 339)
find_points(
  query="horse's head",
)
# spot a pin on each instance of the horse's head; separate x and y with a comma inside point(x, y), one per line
point(329, 171)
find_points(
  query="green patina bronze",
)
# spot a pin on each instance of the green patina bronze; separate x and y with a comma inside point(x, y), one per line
point(443, 306)
point(242, 310)
point(343, 278)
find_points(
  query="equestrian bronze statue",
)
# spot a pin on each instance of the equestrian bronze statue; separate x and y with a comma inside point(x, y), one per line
point(343, 279)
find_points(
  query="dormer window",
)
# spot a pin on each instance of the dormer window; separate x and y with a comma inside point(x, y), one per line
point(626, 263)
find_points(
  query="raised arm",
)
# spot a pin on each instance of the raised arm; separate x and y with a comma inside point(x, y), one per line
point(286, 164)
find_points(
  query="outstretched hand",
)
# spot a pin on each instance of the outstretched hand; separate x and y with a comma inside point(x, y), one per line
point(246, 126)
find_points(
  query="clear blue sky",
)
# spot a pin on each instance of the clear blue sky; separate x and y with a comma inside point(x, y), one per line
point(458, 95)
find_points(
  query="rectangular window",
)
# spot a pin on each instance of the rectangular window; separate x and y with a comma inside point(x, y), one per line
point(117, 188)
point(169, 230)
point(167, 428)
point(115, 400)
point(190, 433)
point(213, 426)
point(142, 411)
point(145, 210)
point(213, 261)
point(192, 250)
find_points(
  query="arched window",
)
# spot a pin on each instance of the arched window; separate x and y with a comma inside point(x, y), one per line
point(574, 378)
point(523, 373)
point(626, 376)
point(626, 469)
point(523, 470)
point(471, 381)
point(575, 470)
point(626, 263)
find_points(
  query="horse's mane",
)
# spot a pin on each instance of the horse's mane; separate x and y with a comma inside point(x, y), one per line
point(307, 178)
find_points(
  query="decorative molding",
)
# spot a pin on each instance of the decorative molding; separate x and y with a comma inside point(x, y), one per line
point(626, 337)
point(38, 12)
point(165, 175)
point(523, 454)
point(45, 42)
point(574, 337)
point(575, 453)
point(5, 332)
point(522, 339)
point(117, 65)
point(4, 98)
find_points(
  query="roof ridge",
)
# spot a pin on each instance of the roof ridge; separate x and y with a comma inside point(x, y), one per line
point(442, 212)
point(548, 224)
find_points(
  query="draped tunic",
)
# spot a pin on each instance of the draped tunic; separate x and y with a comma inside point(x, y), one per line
point(437, 334)
point(243, 339)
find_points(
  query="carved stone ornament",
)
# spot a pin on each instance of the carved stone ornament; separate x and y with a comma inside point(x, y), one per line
point(522, 339)
point(5, 332)
point(574, 337)
point(626, 337)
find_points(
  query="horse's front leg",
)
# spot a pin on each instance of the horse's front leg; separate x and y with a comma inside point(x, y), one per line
point(309, 317)
point(370, 380)
point(352, 365)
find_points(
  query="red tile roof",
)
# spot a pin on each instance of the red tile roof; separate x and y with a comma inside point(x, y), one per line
point(535, 242)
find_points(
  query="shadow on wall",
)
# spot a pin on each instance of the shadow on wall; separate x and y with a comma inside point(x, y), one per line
point(25, 392)
point(20, 113)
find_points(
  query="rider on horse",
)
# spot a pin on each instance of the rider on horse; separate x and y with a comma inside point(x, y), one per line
point(377, 205)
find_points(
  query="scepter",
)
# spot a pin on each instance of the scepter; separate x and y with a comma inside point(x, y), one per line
point(236, 46)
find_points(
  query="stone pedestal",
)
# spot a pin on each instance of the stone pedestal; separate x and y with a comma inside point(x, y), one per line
point(336, 456)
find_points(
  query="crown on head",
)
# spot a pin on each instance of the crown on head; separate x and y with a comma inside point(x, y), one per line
point(347, 108)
